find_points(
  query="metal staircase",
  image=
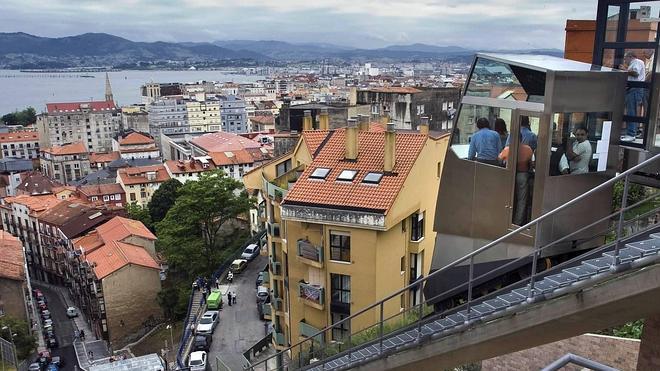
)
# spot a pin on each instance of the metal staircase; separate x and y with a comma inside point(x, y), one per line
point(624, 248)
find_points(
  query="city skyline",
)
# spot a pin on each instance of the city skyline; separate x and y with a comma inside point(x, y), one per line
point(367, 24)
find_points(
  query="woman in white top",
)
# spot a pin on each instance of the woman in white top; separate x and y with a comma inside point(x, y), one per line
point(579, 151)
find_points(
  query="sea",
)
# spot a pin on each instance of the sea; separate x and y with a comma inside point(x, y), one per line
point(19, 90)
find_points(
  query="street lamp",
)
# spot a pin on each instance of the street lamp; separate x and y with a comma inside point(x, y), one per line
point(11, 339)
point(169, 327)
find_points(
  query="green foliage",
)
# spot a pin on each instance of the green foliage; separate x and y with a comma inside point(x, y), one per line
point(137, 212)
point(25, 343)
point(174, 300)
point(631, 330)
point(25, 117)
point(636, 193)
point(163, 199)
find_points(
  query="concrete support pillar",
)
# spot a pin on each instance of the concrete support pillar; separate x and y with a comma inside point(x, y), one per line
point(649, 348)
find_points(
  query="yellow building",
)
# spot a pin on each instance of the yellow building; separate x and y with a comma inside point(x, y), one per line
point(204, 115)
point(140, 182)
point(349, 215)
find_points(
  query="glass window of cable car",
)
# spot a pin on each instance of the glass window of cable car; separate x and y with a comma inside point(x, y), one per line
point(580, 142)
point(493, 79)
point(484, 148)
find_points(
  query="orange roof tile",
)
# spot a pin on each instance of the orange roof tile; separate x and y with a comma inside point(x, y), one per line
point(67, 149)
point(101, 189)
point(355, 194)
point(135, 138)
point(19, 136)
point(97, 157)
point(89, 242)
point(36, 203)
point(314, 138)
point(115, 255)
point(118, 228)
point(242, 156)
point(188, 166)
point(11, 257)
point(222, 141)
point(138, 174)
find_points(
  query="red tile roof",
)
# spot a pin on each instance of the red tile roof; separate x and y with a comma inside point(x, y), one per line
point(263, 120)
point(355, 194)
point(101, 189)
point(222, 141)
point(19, 136)
point(95, 106)
point(135, 139)
point(97, 157)
point(138, 174)
point(37, 203)
point(11, 257)
point(394, 89)
point(67, 149)
point(115, 255)
point(188, 166)
point(314, 138)
point(245, 156)
point(119, 228)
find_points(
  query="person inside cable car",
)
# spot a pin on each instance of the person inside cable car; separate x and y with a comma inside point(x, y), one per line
point(485, 144)
point(528, 135)
point(524, 166)
point(579, 151)
point(500, 128)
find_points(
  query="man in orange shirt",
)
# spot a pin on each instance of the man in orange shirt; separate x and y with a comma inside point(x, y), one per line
point(524, 165)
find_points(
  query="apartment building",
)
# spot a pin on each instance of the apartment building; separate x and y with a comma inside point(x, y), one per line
point(233, 114)
point(135, 118)
point(349, 220)
point(117, 280)
point(66, 163)
point(12, 172)
point(20, 144)
point(168, 115)
point(139, 183)
point(186, 170)
point(103, 194)
point(13, 279)
point(204, 114)
point(92, 123)
point(135, 145)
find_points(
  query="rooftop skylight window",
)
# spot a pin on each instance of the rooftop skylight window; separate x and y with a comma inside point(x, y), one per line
point(320, 173)
point(347, 175)
point(372, 178)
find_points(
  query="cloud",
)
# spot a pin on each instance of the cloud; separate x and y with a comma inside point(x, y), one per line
point(363, 23)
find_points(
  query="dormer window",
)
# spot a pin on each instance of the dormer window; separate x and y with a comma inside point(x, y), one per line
point(320, 173)
point(347, 175)
point(372, 178)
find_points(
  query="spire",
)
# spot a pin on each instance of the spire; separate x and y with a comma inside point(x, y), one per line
point(108, 89)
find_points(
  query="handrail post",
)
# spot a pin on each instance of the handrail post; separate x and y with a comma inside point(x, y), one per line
point(619, 227)
point(350, 345)
point(419, 320)
point(380, 329)
point(534, 264)
point(470, 285)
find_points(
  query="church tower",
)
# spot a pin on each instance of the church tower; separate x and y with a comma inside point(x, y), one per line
point(108, 89)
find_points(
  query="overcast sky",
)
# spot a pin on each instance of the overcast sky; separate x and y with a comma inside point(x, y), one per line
point(491, 24)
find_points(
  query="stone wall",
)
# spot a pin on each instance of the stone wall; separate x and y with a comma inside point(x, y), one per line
point(12, 301)
point(612, 351)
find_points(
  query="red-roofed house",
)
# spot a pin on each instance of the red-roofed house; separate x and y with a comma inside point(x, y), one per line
point(20, 144)
point(66, 163)
point(101, 160)
point(119, 287)
point(136, 145)
point(104, 194)
point(187, 170)
point(358, 205)
point(13, 280)
point(92, 123)
point(140, 182)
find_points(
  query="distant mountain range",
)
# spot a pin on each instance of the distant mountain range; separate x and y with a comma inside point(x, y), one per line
point(20, 51)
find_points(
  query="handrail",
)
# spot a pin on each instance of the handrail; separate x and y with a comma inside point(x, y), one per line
point(470, 256)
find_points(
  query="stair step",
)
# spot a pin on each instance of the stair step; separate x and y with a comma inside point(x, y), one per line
point(626, 255)
point(447, 323)
point(648, 247)
point(544, 286)
point(481, 309)
point(562, 279)
point(512, 298)
point(655, 235)
point(523, 291)
point(601, 264)
point(458, 318)
point(497, 303)
point(582, 272)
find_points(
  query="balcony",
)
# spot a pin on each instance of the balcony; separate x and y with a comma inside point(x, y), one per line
point(277, 188)
point(278, 339)
point(311, 295)
point(266, 310)
point(310, 254)
point(306, 330)
point(277, 305)
point(273, 229)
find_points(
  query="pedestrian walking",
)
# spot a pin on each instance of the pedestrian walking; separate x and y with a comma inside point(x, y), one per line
point(233, 297)
point(75, 335)
point(229, 297)
point(217, 283)
point(82, 335)
point(90, 355)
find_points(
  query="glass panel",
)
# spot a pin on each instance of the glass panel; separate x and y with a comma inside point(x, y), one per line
point(643, 21)
point(502, 81)
point(487, 143)
point(524, 160)
point(612, 23)
point(580, 142)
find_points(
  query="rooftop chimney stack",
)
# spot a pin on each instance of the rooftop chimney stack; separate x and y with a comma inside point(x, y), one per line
point(363, 122)
point(324, 119)
point(424, 125)
point(307, 120)
point(390, 148)
point(352, 140)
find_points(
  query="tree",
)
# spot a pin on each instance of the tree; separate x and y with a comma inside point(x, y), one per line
point(189, 233)
point(25, 343)
point(25, 117)
point(163, 199)
point(137, 212)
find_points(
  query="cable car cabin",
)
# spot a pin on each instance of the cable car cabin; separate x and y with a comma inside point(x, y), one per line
point(531, 133)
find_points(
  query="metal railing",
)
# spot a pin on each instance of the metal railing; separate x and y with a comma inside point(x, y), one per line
point(391, 318)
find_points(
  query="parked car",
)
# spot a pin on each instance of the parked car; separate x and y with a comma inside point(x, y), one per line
point(207, 323)
point(262, 294)
point(238, 265)
point(202, 342)
point(197, 361)
point(72, 312)
point(45, 314)
point(52, 367)
point(52, 343)
point(34, 367)
point(260, 279)
point(58, 360)
point(251, 252)
point(48, 322)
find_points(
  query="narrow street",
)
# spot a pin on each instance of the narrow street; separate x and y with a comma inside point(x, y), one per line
point(62, 326)
point(240, 326)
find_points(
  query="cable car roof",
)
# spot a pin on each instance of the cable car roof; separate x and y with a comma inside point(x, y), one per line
point(543, 63)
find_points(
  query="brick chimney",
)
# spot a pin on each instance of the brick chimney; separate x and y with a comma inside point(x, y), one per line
point(307, 120)
point(352, 140)
point(390, 148)
point(424, 125)
point(363, 122)
point(324, 119)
